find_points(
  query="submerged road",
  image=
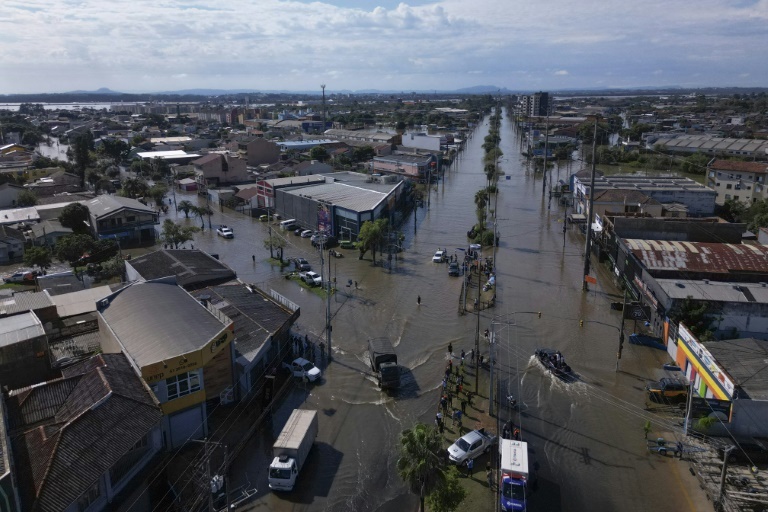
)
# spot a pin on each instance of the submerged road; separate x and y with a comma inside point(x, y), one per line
point(587, 436)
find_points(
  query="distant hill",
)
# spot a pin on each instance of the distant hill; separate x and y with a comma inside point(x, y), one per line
point(100, 91)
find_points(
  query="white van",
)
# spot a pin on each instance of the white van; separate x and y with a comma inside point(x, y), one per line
point(286, 223)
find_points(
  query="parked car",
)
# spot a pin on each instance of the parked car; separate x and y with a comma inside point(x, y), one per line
point(439, 257)
point(667, 389)
point(750, 452)
point(298, 231)
point(225, 231)
point(22, 277)
point(470, 445)
point(302, 264)
point(302, 368)
point(306, 233)
point(311, 278)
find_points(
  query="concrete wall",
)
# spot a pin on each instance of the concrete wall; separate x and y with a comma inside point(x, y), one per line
point(682, 230)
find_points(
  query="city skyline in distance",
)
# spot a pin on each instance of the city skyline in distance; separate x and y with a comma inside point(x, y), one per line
point(448, 45)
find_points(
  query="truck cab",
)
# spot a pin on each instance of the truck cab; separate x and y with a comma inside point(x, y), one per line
point(516, 481)
point(282, 473)
point(384, 362)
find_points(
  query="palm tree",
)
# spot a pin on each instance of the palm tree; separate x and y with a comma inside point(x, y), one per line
point(421, 464)
point(201, 211)
point(186, 207)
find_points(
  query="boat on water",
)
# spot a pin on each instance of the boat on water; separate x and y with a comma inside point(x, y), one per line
point(554, 361)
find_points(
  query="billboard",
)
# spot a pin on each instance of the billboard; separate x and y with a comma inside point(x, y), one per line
point(324, 218)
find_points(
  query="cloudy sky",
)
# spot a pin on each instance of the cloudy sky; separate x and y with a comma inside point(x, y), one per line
point(144, 46)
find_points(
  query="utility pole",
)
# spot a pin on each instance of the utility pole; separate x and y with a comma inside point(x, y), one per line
point(208, 475)
point(328, 326)
point(477, 329)
point(546, 150)
point(491, 346)
point(721, 494)
point(323, 88)
point(585, 287)
point(621, 330)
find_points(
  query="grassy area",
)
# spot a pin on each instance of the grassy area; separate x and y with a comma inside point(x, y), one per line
point(317, 290)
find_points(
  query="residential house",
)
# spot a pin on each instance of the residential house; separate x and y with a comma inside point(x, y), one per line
point(309, 167)
point(47, 232)
point(122, 218)
point(181, 348)
point(12, 243)
point(9, 195)
point(740, 181)
point(79, 440)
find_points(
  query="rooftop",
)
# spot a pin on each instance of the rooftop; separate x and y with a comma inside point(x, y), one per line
point(711, 258)
point(715, 291)
point(256, 317)
point(351, 197)
point(70, 431)
point(106, 204)
point(21, 327)
point(733, 165)
point(192, 268)
point(158, 320)
point(20, 302)
point(744, 360)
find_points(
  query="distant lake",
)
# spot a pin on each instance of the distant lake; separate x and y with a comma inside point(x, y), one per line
point(61, 106)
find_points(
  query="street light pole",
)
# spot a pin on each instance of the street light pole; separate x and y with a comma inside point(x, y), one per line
point(588, 248)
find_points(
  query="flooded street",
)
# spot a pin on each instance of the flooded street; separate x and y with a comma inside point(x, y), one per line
point(586, 436)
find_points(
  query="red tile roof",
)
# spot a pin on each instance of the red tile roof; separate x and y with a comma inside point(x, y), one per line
point(733, 165)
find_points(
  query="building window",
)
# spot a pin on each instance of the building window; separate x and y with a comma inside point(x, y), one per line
point(727, 196)
point(729, 186)
point(89, 497)
point(182, 384)
point(735, 198)
point(130, 219)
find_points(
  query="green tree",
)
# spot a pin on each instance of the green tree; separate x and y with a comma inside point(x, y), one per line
point(421, 460)
point(318, 153)
point(26, 198)
point(371, 236)
point(37, 257)
point(176, 235)
point(202, 211)
point(81, 154)
point(481, 201)
point(273, 242)
point(363, 153)
point(75, 216)
point(157, 193)
point(185, 206)
point(448, 496)
point(697, 315)
point(70, 248)
point(134, 188)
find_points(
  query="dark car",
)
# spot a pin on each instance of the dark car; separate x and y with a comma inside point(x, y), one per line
point(667, 389)
point(302, 264)
point(298, 231)
point(748, 452)
point(453, 268)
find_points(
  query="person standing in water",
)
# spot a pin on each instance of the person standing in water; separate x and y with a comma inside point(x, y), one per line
point(418, 300)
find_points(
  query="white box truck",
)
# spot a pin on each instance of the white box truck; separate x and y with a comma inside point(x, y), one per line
point(291, 449)
point(516, 481)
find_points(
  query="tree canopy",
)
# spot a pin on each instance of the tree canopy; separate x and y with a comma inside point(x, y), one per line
point(37, 257)
point(26, 198)
point(371, 235)
point(75, 216)
point(421, 463)
point(70, 248)
point(176, 235)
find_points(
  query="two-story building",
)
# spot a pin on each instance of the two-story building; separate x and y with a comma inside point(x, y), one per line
point(740, 181)
point(180, 347)
point(122, 218)
point(413, 167)
point(218, 169)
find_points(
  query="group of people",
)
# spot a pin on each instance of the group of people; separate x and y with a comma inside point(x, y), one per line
point(303, 347)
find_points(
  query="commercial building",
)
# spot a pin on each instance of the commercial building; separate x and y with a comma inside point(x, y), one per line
point(699, 200)
point(715, 146)
point(181, 349)
point(341, 204)
point(413, 167)
point(192, 269)
point(536, 104)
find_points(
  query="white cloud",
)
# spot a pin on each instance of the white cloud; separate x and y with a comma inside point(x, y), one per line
point(281, 44)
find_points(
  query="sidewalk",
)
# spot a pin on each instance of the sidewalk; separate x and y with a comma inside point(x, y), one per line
point(480, 498)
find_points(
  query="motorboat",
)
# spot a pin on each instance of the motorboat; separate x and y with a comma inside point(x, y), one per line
point(554, 361)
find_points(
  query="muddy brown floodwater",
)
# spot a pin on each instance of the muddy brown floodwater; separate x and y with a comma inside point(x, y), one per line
point(586, 437)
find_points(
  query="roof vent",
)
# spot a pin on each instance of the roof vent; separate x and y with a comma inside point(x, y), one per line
point(706, 281)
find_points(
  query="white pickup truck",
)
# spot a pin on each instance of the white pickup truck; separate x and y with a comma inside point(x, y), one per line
point(310, 277)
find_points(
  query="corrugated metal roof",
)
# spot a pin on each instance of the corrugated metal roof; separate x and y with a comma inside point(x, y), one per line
point(345, 195)
point(716, 291)
point(79, 302)
point(24, 302)
point(16, 328)
point(107, 205)
point(700, 256)
point(156, 321)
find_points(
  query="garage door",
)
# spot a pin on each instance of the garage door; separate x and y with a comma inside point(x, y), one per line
point(187, 425)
